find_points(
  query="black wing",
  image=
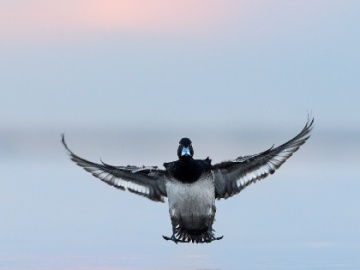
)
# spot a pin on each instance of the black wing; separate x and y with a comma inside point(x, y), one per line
point(233, 176)
point(145, 181)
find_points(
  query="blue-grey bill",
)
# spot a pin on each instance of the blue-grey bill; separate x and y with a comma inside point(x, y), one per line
point(185, 151)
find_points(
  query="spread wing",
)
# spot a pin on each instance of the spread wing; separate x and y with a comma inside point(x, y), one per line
point(145, 181)
point(233, 176)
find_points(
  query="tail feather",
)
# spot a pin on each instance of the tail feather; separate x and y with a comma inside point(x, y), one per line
point(194, 236)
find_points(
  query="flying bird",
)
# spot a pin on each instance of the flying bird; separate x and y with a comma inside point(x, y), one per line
point(192, 185)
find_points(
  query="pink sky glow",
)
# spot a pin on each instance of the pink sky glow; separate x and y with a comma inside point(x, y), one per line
point(23, 18)
point(38, 19)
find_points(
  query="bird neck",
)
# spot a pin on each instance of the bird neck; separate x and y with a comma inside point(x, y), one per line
point(186, 159)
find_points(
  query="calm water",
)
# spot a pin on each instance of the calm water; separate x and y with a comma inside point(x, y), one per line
point(56, 216)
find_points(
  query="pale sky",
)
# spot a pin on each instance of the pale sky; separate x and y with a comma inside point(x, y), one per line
point(159, 63)
point(126, 79)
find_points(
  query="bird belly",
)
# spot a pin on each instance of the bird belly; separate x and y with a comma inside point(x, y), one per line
point(192, 205)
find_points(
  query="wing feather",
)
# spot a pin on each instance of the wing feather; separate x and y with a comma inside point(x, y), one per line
point(144, 181)
point(233, 176)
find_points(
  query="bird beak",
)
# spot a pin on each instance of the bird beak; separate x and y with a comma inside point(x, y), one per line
point(185, 151)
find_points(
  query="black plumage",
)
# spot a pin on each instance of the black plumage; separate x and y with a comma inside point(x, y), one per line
point(188, 171)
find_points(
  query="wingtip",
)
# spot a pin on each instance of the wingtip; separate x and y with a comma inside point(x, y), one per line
point(310, 119)
point(63, 139)
point(64, 142)
point(310, 123)
point(306, 131)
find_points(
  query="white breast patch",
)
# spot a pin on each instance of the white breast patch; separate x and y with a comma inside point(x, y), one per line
point(195, 199)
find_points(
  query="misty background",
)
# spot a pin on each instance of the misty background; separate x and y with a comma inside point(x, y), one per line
point(234, 76)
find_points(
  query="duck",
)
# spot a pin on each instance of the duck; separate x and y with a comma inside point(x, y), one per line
point(191, 186)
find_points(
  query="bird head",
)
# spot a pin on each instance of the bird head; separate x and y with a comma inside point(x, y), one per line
point(185, 150)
